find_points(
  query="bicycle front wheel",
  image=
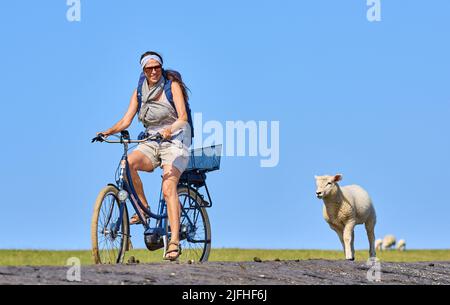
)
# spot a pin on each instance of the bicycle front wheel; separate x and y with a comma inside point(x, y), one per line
point(195, 229)
point(109, 241)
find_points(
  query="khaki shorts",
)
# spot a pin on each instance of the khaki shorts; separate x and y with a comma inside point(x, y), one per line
point(175, 154)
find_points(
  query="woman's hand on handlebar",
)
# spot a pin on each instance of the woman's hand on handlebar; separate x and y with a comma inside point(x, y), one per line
point(100, 136)
point(166, 133)
point(104, 134)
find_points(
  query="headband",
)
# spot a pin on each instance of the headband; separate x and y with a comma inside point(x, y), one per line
point(146, 59)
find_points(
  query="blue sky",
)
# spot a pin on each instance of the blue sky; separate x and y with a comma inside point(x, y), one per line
point(369, 100)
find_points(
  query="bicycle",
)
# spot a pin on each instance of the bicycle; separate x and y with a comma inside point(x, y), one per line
point(110, 228)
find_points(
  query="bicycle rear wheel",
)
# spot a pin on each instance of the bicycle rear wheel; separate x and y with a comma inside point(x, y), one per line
point(195, 229)
point(109, 245)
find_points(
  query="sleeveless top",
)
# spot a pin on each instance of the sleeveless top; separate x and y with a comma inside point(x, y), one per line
point(158, 114)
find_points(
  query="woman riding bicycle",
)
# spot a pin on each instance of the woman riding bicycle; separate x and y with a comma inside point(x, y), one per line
point(158, 115)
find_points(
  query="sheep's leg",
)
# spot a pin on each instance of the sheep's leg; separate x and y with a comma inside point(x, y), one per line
point(352, 244)
point(348, 241)
point(341, 238)
point(370, 229)
point(340, 234)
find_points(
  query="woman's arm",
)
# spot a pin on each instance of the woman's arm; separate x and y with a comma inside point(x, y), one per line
point(125, 122)
point(180, 106)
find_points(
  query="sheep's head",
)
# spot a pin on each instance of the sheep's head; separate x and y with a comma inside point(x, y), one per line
point(326, 184)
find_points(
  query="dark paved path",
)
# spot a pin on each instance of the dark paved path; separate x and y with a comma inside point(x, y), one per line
point(234, 273)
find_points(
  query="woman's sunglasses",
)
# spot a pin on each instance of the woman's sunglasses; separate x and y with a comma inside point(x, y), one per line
point(150, 69)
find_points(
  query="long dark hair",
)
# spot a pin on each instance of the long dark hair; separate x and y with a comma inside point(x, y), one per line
point(172, 75)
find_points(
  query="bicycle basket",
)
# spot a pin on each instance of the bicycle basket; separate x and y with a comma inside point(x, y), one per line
point(205, 159)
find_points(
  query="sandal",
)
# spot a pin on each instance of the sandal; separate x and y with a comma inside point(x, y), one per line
point(135, 220)
point(177, 251)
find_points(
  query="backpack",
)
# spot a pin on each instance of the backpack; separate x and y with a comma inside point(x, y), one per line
point(168, 92)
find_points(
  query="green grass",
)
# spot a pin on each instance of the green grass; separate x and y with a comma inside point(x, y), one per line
point(59, 258)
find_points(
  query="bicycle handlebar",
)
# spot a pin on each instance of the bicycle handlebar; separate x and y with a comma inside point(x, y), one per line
point(123, 139)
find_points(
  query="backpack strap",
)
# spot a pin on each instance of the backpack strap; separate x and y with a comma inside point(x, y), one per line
point(139, 91)
point(169, 95)
point(168, 92)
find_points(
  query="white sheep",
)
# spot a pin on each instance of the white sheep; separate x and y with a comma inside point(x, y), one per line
point(378, 244)
point(344, 208)
point(389, 242)
point(401, 245)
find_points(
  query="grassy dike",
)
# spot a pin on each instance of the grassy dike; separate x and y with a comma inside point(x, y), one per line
point(59, 258)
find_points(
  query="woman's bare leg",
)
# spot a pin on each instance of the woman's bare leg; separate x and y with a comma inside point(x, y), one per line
point(171, 177)
point(139, 162)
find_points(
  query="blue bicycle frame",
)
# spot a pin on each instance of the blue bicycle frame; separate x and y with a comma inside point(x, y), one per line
point(127, 185)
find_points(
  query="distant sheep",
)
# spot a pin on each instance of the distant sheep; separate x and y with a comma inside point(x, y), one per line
point(344, 208)
point(378, 244)
point(401, 245)
point(389, 242)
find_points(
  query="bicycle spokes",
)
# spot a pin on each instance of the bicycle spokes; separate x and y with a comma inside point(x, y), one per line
point(109, 237)
point(193, 235)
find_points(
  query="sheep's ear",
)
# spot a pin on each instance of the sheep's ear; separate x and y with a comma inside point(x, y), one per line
point(337, 177)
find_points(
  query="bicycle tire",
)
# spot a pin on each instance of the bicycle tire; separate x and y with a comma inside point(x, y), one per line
point(189, 251)
point(122, 238)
